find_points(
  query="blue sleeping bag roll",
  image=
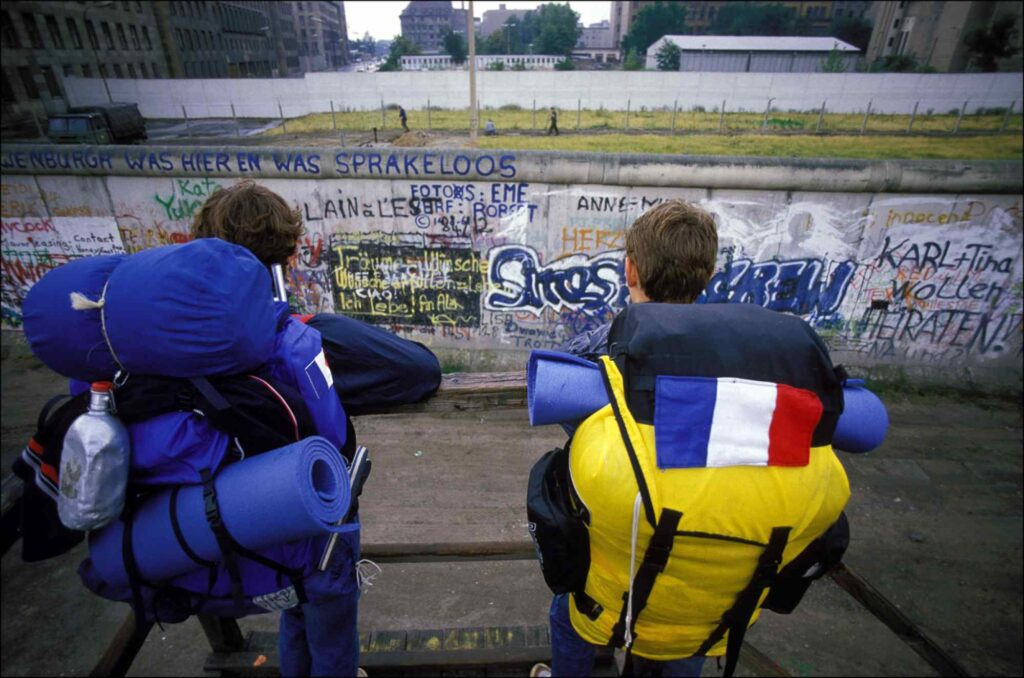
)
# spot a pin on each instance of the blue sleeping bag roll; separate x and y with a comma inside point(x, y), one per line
point(197, 309)
point(67, 341)
point(290, 493)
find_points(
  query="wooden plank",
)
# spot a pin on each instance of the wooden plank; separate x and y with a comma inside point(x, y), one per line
point(880, 606)
point(222, 633)
point(121, 652)
point(448, 552)
point(463, 391)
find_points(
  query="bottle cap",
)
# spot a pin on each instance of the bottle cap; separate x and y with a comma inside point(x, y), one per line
point(102, 386)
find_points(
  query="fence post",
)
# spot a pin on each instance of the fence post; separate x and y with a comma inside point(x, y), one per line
point(534, 115)
point(1006, 118)
point(188, 123)
point(628, 102)
point(913, 116)
point(675, 105)
point(428, 115)
point(382, 113)
point(864, 123)
point(579, 110)
point(280, 111)
point(721, 118)
point(234, 117)
point(334, 121)
point(959, 117)
point(343, 140)
point(767, 109)
point(821, 114)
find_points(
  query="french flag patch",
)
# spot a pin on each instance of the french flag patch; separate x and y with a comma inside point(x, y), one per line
point(703, 422)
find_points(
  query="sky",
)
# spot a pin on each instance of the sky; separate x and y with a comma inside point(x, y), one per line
point(380, 19)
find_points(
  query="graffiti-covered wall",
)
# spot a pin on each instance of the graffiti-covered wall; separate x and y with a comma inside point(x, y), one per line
point(486, 255)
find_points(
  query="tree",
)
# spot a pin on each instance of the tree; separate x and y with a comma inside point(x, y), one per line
point(987, 46)
point(565, 64)
point(741, 18)
point(558, 29)
point(833, 63)
point(454, 46)
point(894, 63)
point(854, 30)
point(668, 56)
point(653, 22)
point(400, 47)
point(632, 62)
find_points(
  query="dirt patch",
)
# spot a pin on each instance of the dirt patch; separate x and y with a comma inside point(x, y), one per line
point(412, 140)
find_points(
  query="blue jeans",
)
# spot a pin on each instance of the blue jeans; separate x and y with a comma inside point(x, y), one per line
point(320, 639)
point(573, 656)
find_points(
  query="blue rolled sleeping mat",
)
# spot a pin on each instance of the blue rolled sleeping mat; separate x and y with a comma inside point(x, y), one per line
point(565, 389)
point(297, 491)
point(92, 316)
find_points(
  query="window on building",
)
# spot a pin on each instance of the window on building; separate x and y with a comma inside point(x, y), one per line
point(145, 38)
point(76, 37)
point(896, 23)
point(69, 70)
point(28, 83)
point(179, 39)
point(134, 31)
point(144, 70)
point(6, 91)
point(117, 71)
point(9, 34)
point(174, 11)
point(90, 32)
point(51, 81)
point(156, 71)
point(138, 7)
point(103, 70)
point(188, 39)
point(86, 71)
point(121, 37)
point(107, 35)
point(131, 71)
point(891, 40)
point(54, 31)
point(34, 37)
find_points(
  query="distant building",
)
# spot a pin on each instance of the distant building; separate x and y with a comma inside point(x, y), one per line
point(494, 19)
point(322, 35)
point(597, 36)
point(933, 32)
point(425, 23)
point(44, 42)
point(754, 54)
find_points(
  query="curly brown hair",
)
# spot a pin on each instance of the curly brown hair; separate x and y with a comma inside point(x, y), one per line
point(254, 217)
point(674, 247)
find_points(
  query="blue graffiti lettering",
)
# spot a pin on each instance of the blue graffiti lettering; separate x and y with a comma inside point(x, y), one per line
point(800, 286)
point(592, 285)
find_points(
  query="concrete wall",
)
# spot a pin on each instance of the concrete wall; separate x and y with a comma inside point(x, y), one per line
point(909, 264)
point(845, 92)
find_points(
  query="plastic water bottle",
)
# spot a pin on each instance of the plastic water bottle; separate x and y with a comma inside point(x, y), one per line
point(94, 464)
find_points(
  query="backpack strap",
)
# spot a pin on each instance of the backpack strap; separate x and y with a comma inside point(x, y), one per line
point(230, 548)
point(737, 618)
point(183, 543)
point(654, 562)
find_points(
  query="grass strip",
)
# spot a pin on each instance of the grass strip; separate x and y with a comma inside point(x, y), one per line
point(1004, 147)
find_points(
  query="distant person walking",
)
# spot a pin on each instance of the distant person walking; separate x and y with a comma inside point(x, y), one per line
point(553, 122)
point(402, 117)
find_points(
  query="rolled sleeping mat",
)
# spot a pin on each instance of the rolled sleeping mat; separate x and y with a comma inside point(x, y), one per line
point(864, 423)
point(291, 493)
point(562, 388)
point(200, 308)
point(70, 342)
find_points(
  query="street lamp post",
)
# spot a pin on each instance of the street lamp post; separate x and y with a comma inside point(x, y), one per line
point(85, 22)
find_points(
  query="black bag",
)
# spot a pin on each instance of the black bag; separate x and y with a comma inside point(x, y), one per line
point(558, 523)
point(820, 556)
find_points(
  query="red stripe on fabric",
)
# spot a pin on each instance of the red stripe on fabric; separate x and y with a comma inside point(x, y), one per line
point(48, 471)
point(797, 412)
point(36, 448)
point(304, 319)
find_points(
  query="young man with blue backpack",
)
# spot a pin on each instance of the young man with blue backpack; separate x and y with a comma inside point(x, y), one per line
point(208, 372)
point(707, 481)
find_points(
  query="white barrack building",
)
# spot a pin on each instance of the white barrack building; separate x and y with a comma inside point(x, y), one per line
point(755, 54)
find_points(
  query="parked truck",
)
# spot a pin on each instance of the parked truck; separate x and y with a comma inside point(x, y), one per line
point(100, 124)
